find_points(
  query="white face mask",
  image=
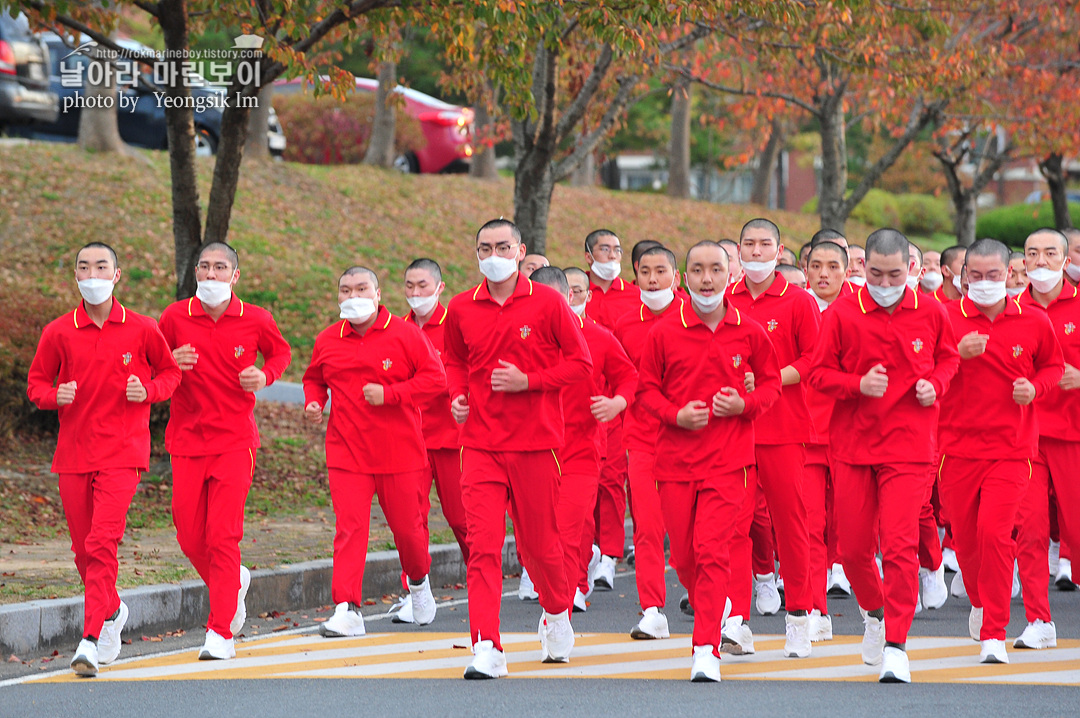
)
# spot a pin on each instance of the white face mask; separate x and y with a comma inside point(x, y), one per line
point(913, 282)
point(759, 271)
point(658, 300)
point(579, 309)
point(95, 291)
point(358, 309)
point(857, 281)
point(986, 293)
point(1073, 270)
point(213, 293)
point(707, 304)
point(498, 269)
point(932, 280)
point(886, 296)
point(606, 270)
point(956, 283)
point(422, 306)
point(1014, 291)
point(1044, 279)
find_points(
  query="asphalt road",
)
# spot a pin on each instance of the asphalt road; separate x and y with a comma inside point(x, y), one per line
point(610, 612)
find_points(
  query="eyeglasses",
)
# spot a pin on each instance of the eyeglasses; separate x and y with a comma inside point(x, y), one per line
point(604, 250)
point(578, 292)
point(502, 249)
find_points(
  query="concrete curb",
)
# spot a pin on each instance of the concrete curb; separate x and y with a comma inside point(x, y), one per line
point(35, 627)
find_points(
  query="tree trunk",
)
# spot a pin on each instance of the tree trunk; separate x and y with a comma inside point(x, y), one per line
point(767, 165)
point(533, 186)
point(483, 159)
point(834, 172)
point(98, 131)
point(180, 127)
point(963, 199)
point(1051, 168)
point(256, 147)
point(584, 175)
point(234, 128)
point(380, 151)
point(679, 160)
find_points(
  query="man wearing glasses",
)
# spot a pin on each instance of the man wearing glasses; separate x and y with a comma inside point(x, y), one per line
point(510, 346)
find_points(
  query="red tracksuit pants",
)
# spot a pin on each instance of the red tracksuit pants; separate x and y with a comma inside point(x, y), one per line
point(610, 515)
point(700, 516)
point(209, 493)
point(780, 477)
point(446, 474)
point(527, 484)
point(648, 530)
point(399, 498)
point(817, 486)
point(929, 540)
point(982, 499)
point(1056, 466)
point(741, 581)
point(879, 505)
point(762, 538)
point(96, 505)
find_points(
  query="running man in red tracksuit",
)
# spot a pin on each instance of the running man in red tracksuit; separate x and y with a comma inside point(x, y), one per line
point(610, 298)
point(586, 409)
point(657, 278)
point(380, 370)
point(423, 291)
point(692, 377)
point(886, 354)
point(100, 366)
point(791, 319)
point(215, 337)
point(1046, 254)
point(1010, 357)
point(511, 345)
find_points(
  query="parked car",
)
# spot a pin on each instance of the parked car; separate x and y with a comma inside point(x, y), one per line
point(1044, 196)
point(25, 96)
point(141, 120)
point(447, 128)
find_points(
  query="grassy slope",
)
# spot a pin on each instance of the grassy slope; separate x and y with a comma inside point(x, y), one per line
point(297, 227)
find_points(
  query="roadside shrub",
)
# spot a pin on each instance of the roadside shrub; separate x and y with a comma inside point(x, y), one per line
point(877, 209)
point(20, 330)
point(328, 131)
point(1013, 223)
point(922, 215)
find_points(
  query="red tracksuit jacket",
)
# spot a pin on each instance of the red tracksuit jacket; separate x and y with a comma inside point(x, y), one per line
point(536, 331)
point(368, 439)
point(613, 374)
point(1059, 410)
point(607, 308)
point(101, 429)
point(684, 360)
point(210, 414)
point(914, 342)
point(440, 429)
point(979, 419)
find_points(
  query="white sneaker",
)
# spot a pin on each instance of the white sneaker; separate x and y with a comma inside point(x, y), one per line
point(108, 645)
point(736, 637)
point(1055, 557)
point(240, 617)
point(706, 667)
point(932, 589)
point(948, 560)
point(423, 603)
point(593, 563)
point(216, 647)
point(488, 662)
point(346, 621)
point(766, 595)
point(780, 585)
point(957, 588)
point(1064, 581)
point(993, 651)
point(1037, 635)
point(653, 624)
point(85, 661)
point(580, 604)
point(880, 567)
point(975, 623)
point(526, 590)
point(685, 607)
point(1016, 580)
point(894, 666)
point(873, 640)
point(604, 576)
point(838, 582)
point(820, 627)
point(556, 637)
point(797, 636)
point(402, 610)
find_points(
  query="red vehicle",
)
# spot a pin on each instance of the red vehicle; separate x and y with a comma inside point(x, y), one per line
point(447, 128)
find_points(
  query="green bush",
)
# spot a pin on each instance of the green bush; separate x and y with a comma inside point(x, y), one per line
point(877, 209)
point(1013, 223)
point(922, 215)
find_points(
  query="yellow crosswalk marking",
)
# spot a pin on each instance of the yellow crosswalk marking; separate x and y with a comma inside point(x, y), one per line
point(596, 655)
